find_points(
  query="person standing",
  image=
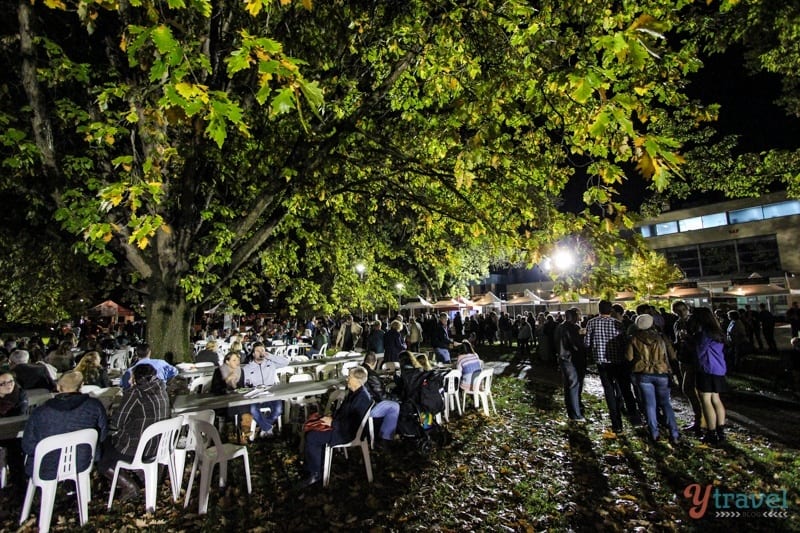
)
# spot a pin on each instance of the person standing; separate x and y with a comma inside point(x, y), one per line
point(348, 335)
point(793, 316)
point(605, 339)
point(393, 342)
point(441, 342)
point(767, 320)
point(415, 336)
point(687, 360)
point(651, 354)
point(711, 370)
point(572, 361)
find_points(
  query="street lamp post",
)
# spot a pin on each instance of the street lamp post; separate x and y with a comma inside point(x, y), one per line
point(361, 268)
point(399, 288)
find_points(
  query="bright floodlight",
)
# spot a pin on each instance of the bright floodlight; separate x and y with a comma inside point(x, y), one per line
point(563, 260)
point(360, 268)
point(399, 287)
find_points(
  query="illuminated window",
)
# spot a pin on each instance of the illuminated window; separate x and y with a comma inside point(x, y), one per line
point(665, 228)
point(782, 209)
point(745, 215)
point(715, 220)
point(689, 224)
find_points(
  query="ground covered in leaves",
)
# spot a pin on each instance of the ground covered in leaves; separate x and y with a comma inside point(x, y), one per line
point(525, 469)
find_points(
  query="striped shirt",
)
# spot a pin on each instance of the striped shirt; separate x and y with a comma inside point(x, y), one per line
point(143, 404)
point(605, 339)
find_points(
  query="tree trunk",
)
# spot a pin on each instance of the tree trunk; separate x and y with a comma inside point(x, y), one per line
point(169, 321)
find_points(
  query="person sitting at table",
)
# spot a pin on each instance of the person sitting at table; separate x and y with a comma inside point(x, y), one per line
point(208, 354)
point(30, 376)
point(228, 377)
point(385, 408)
point(13, 402)
point(469, 364)
point(13, 398)
point(93, 372)
point(144, 402)
point(164, 370)
point(375, 339)
point(261, 371)
point(68, 411)
point(343, 426)
point(393, 342)
point(320, 338)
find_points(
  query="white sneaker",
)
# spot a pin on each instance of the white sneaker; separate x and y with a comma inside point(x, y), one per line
point(266, 434)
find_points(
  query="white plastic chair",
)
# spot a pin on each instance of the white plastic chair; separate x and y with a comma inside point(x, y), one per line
point(451, 388)
point(284, 373)
point(167, 432)
point(200, 384)
point(188, 442)
point(292, 351)
point(119, 359)
point(325, 371)
point(323, 350)
point(358, 442)
point(481, 391)
point(347, 366)
point(68, 444)
point(211, 451)
point(391, 365)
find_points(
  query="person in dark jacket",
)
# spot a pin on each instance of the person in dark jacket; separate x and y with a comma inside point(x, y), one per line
point(13, 398)
point(30, 376)
point(385, 408)
point(393, 342)
point(343, 425)
point(376, 338)
point(572, 361)
point(68, 411)
point(441, 341)
point(143, 403)
point(208, 354)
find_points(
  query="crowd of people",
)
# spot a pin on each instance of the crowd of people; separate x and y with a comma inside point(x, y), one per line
point(638, 356)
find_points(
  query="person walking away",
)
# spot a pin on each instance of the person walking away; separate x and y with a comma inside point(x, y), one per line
point(605, 339)
point(738, 345)
point(572, 361)
point(651, 354)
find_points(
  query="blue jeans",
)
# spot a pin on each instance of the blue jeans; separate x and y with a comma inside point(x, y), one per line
point(389, 411)
point(573, 385)
point(617, 376)
point(443, 354)
point(655, 393)
point(266, 422)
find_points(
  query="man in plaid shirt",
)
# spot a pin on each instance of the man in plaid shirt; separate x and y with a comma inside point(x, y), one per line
point(606, 340)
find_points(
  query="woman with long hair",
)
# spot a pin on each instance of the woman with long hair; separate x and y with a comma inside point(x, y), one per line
point(93, 372)
point(709, 341)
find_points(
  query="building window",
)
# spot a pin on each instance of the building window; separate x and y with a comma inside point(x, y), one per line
point(647, 231)
point(715, 220)
point(689, 224)
point(782, 209)
point(746, 215)
point(685, 258)
point(665, 228)
point(718, 258)
point(759, 255)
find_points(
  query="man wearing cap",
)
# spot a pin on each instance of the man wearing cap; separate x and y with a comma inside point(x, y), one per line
point(651, 354)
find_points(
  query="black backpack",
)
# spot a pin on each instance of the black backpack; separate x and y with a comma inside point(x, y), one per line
point(428, 395)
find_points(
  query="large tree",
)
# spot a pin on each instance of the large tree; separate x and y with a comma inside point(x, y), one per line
point(207, 146)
